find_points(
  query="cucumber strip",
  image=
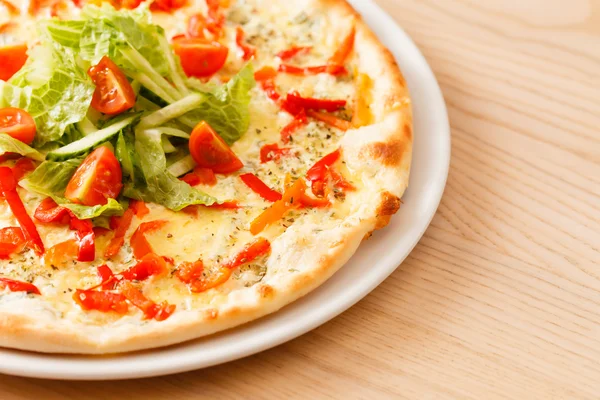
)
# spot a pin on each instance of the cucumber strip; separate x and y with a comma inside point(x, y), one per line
point(143, 104)
point(136, 85)
point(178, 168)
point(171, 111)
point(86, 127)
point(175, 72)
point(153, 87)
point(86, 143)
point(163, 130)
point(167, 146)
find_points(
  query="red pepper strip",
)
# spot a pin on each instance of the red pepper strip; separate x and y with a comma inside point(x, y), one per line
point(149, 265)
point(298, 122)
point(12, 9)
point(266, 78)
point(140, 209)
point(249, 253)
point(49, 211)
point(306, 71)
point(101, 231)
point(318, 172)
point(226, 205)
point(339, 181)
point(133, 4)
point(206, 175)
point(339, 57)
point(309, 103)
point(85, 237)
point(8, 185)
point(265, 74)
point(109, 280)
point(139, 243)
point(292, 52)
point(101, 301)
point(329, 119)
point(11, 241)
point(158, 5)
point(61, 253)
point(22, 167)
point(191, 179)
point(192, 274)
point(271, 152)
point(120, 230)
point(247, 51)
point(260, 188)
point(159, 312)
point(215, 19)
point(188, 272)
point(6, 26)
point(18, 286)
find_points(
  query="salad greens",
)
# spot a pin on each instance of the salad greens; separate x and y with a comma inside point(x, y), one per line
point(54, 88)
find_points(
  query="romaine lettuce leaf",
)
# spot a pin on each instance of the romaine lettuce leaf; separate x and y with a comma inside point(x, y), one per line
point(51, 179)
point(161, 187)
point(10, 145)
point(50, 87)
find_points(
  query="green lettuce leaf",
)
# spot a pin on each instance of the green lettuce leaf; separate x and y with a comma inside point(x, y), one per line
point(226, 108)
point(10, 145)
point(161, 187)
point(66, 33)
point(52, 88)
point(51, 179)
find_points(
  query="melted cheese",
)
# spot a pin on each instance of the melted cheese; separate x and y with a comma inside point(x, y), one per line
point(214, 235)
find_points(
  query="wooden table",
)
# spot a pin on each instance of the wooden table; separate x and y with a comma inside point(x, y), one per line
point(501, 298)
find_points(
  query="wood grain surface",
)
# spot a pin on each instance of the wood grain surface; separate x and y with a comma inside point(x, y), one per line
point(501, 298)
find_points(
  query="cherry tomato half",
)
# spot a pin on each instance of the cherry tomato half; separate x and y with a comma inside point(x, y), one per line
point(209, 150)
point(113, 93)
point(18, 124)
point(12, 59)
point(200, 58)
point(97, 179)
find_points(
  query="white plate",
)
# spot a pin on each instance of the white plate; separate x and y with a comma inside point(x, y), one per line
point(375, 260)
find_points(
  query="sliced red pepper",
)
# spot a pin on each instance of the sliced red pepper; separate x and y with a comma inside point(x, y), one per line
point(149, 265)
point(188, 272)
point(318, 172)
point(8, 185)
point(12, 9)
point(101, 231)
point(86, 238)
point(226, 205)
point(101, 301)
point(48, 211)
point(329, 119)
point(299, 121)
point(265, 74)
point(307, 71)
point(12, 58)
point(292, 52)
point(191, 179)
point(150, 309)
point(140, 209)
point(249, 253)
point(193, 275)
point(18, 286)
point(22, 167)
point(161, 5)
point(206, 175)
point(61, 253)
point(139, 243)
point(247, 51)
point(109, 280)
point(309, 103)
point(121, 228)
point(259, 187)
point(271, 152)
point(12, 241)
point(266, 79)
point(339, 181)
point(339, 57)
point(215, 19)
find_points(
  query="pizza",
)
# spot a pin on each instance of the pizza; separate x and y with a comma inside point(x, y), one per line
point(175, 168)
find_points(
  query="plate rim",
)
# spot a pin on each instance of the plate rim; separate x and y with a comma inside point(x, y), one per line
point(57, 366)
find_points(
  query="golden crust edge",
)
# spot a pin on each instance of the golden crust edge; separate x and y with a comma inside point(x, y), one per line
point(23, 332)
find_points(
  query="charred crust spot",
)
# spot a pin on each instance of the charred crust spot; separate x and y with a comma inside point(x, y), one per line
point(265, 291)
point(388, 153)
point(408, 130)
point(389, 206)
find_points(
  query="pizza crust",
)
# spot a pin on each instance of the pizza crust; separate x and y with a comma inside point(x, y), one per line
point(379, 154)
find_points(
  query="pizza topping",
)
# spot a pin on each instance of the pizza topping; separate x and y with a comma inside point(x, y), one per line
point(266, 79)
point(157, 5)
point(292, 52)
point(86, 238)
point(10, 7)
point(362, 115)
point(330, 119)
point(308, 103)
point(259, 187)
point(299, 121)
point(22, 167)
point(140, 209)
point(151, 310)
point(101, 301)
point(12, 241)
point(62, 253)
point(122, 225)
point(17, 123)
point(8, 187)
point(18, 286)
point(48, 211)
point(271, 152)
point(249, 253)
point(96, 180)
point(247, 51)
point(200, 58)
point(320, 173)
point(139, 243)
point(109, 280)
point(209, 150)
point(113, 94)
point(204, 176)
point(12, 59)
point(149, 265)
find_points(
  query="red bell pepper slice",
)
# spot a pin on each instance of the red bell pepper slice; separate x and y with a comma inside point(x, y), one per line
point(140, 209)
point(200, 175)
point(309, 103)
point(329, 119)
point(192, 274)
point(247, 51)
point(215, 19)
point(249, 253)
point(12, 241)
point(191, 179)
point(139, 243)
point(121, 225)
point(339, 57)
point(299, 121)
point(149, 265)
point(12, 9)
point(109, 280)
point(318, 172)
point(272, 151)
point(307, 71)
point(285, 55)
point(8, 185)
point(101, 301)
point(259, 187)
point(85, 237)
point(159, 312)
point(48, 211)
point(18, 286)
